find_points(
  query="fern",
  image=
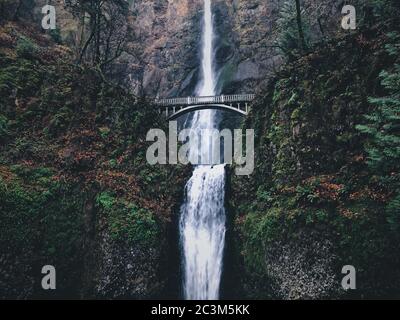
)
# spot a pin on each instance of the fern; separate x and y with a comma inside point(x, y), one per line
point(383, 129)
point(383, 126)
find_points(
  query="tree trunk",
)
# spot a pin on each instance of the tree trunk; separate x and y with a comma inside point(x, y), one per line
point(16, 13)
point(300, 26)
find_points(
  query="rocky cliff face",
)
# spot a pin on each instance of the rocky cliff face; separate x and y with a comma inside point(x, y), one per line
point(162, 55)
point(170, 35)
point(247, 33)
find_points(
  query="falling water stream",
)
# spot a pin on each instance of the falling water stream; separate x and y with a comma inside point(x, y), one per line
point(202, 220)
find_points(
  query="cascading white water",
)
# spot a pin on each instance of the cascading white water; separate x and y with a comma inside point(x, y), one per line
point(203, 232)
point(202, 221)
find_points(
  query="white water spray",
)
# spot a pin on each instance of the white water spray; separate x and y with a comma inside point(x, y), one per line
point(202, 222)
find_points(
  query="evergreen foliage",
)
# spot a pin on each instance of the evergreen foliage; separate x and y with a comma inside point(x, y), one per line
point(383, 130)
point(313, 181)
point(289, 40)
point(384, 126)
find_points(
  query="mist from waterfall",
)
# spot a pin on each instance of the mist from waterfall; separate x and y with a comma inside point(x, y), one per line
point(202, 219)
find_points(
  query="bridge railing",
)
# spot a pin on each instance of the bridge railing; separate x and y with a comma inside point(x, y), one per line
point(205, 100)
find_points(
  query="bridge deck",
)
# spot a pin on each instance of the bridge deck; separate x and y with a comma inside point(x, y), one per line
point(191, 101)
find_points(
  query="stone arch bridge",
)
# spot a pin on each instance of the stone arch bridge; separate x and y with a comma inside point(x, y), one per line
point(176, 107)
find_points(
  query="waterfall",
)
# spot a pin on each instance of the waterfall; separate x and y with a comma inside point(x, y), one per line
point(202, 220)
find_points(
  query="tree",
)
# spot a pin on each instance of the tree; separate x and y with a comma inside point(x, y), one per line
point(300, 25)
point(383, 126)
point(103, 28)
point(293, 35)
point(383, 130)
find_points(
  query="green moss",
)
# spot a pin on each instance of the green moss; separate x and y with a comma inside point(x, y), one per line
point(128, 222)
point(56, 231)
point(40, 176)
point(26, 48)
point(259, 231)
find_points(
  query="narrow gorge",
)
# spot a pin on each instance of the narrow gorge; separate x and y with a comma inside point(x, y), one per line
point(78, 193)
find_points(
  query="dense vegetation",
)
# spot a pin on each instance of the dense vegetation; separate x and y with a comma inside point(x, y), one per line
point(76, 191)
point(325, 192)
point(72, 169)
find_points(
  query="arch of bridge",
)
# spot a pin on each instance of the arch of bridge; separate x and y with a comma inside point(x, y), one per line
point(187, 109)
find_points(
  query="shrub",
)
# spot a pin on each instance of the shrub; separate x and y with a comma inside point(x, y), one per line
point(56, 35)
point(383, 129)
point(106, 200)
point(26, 48)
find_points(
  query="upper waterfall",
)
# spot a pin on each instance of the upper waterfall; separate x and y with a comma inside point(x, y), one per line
point(207, 87)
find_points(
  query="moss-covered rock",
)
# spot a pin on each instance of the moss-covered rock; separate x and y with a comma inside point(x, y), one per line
point(76, 190)
point(313, 205)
